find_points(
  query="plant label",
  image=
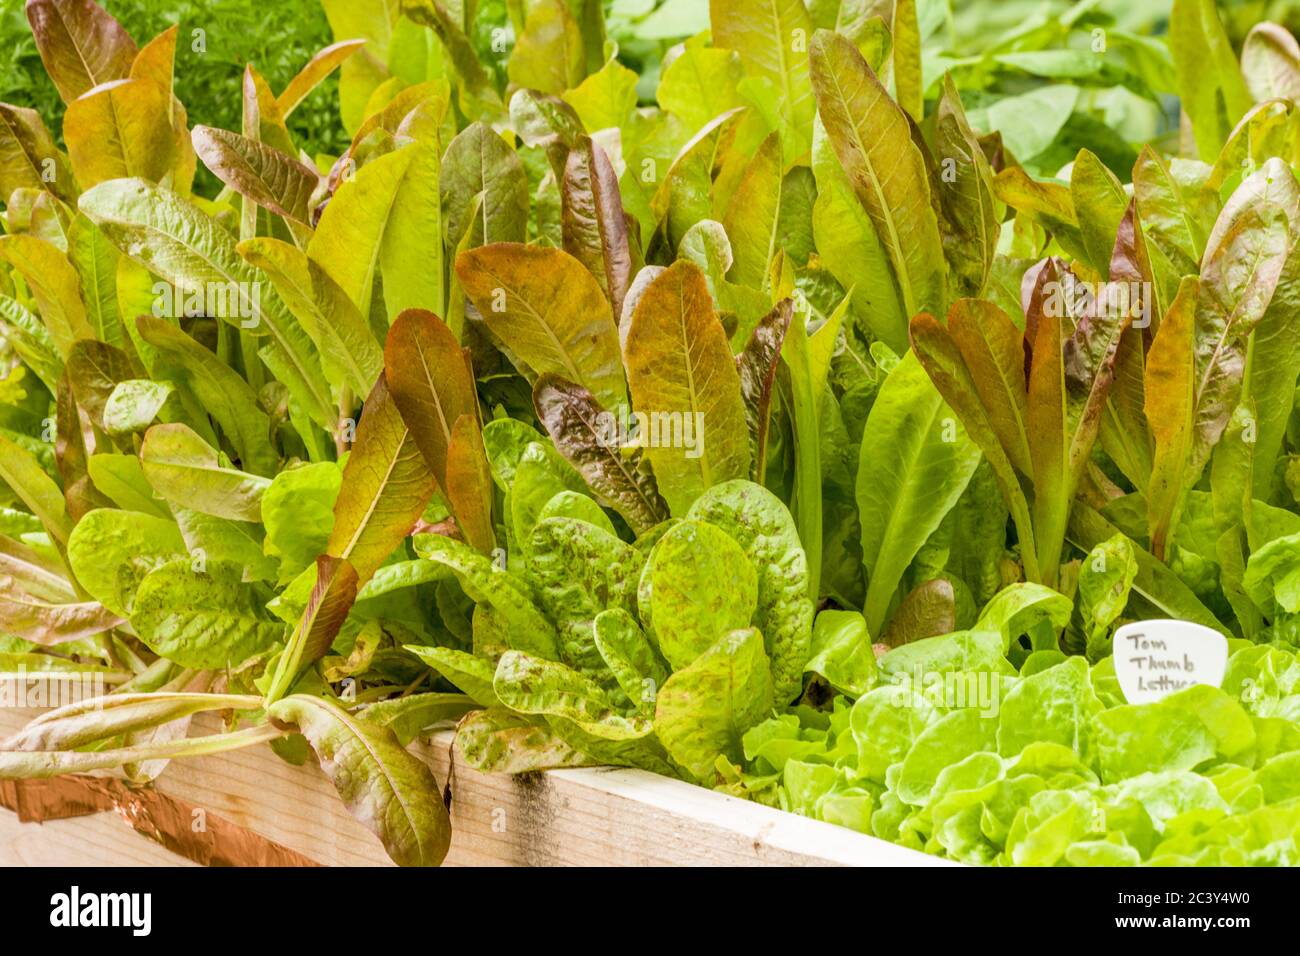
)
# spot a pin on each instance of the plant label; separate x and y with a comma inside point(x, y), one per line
point(1156, 658)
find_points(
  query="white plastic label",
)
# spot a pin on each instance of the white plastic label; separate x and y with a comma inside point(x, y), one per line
point(1156, 658)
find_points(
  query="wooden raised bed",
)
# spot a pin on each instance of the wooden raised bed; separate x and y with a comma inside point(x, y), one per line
point(598, 817)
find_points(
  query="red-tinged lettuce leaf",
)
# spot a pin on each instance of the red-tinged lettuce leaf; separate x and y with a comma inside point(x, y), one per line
point(753, 214)
point(500, 741)
point(430, 380)
point(28, 155)
point(262, 120)
point(757, 365)
point(593, 224)
point(468, 482)
point(331, 599)
point(258, 172)
point(156, 62)
point(947, 367)
point(970, 213)
point(1125, 435)
point(387, 485)
point(928, 610)
point(1071, 370)
point(584, 433)
point(70, 455)
point(1270, 63)
point(1047, 204)
point(1171, 410)
point(1274, 350)
point(314, 73)
point(120, 129)
point(390, 791)
point(80, 44)
point(418, 714)
point(684, 381)
point(873, 140)
point(1195, 371)
point(478, 161)
point(547, 123)
point(41, 622)
point(993, 350)
point(549, 311)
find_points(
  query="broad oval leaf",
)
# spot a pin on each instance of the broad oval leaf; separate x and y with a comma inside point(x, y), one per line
point(257, 171)
point(704, 709)
point(80, 44)
point(549, 311)
point(431, 383)
point(697, 585)
point(203, 619)
point(759, 522)
point(479, 161)
point(187, 471)
point(111, 551)
point(120, 129)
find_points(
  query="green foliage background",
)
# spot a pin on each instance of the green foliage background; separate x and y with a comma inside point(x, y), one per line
point(276, 36)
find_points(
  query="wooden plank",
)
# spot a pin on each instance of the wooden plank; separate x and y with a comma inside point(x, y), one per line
point(98, 840)
point(583, 817)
